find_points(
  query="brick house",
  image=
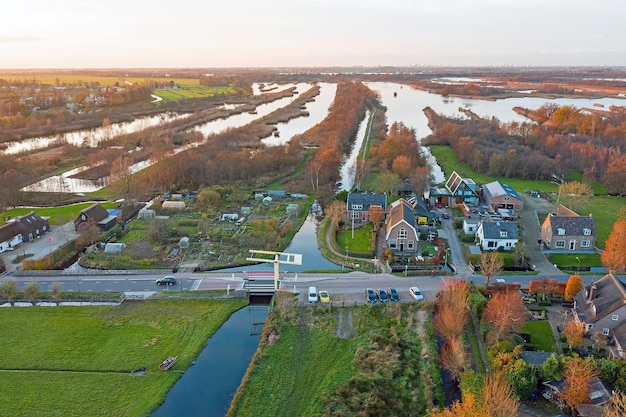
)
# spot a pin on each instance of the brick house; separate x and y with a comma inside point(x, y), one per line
point(401, 230)
point(565, 230)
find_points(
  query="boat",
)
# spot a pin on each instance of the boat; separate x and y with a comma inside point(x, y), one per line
point(168, 363)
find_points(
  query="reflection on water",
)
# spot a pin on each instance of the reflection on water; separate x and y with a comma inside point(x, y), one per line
point(208, 386)
point(305, 243)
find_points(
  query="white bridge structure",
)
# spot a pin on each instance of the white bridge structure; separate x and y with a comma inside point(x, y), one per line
point(258, 284)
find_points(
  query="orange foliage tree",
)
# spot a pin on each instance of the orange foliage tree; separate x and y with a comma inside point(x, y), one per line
point(451, 308)
point(453, 356)
point(578, 373)
point(614, 255)
point(573, 287)
point(574, 332)
point(505, 313)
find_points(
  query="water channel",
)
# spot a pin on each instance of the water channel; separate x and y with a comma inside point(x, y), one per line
point(207, 387)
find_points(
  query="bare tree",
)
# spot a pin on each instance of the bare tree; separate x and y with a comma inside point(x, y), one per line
point(490, 265)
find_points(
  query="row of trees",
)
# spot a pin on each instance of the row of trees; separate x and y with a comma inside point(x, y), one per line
point(565, 138)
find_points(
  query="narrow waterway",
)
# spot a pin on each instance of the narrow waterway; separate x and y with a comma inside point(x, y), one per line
point(207, 387)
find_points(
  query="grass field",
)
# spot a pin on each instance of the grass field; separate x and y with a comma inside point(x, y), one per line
point(76, 361)
point(361, 241)
point(58, 215)
point(569, 261)
point(310, 371)
point(192, 91)
point(540, 335)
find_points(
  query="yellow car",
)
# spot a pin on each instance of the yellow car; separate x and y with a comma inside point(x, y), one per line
point(324, 297)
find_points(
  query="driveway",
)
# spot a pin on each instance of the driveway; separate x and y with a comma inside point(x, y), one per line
point(38, 248)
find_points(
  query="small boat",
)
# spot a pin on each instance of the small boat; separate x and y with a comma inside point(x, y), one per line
point(276, 133)
point(168, 363)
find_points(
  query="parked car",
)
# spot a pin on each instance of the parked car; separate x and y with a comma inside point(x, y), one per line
point(446, 215)
point(313, 295)
point(324, 297)
point(393, 294)
point(382, 296)
point(416, 293)
point(370, 295)
point(167, 280)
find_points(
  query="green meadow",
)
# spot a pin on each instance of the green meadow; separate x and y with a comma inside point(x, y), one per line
point(77, 361)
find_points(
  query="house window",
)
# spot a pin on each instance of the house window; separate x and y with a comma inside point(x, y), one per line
point(491, 244)
point(392, 244)
point(357, 207)
point(402, 234)
point(410, 244)
point(503, 233)
point(585, 243)
point(605, 331)
point(614, 317)
point(509, 244)
point(560, 231)
point(587, 232)
point(559, 244)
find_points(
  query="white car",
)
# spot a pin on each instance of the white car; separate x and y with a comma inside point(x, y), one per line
point(416, 293)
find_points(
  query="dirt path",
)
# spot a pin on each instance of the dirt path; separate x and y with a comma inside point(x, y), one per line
point(345, 328)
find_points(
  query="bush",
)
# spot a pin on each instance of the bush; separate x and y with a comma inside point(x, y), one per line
point(468, 238)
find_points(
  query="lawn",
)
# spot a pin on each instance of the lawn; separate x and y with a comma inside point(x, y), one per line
point(361, 241)
point(541, 337)
point(568, 260)
point(76, 361)
point(308, 370)
point(58, 215)
point(192, 91)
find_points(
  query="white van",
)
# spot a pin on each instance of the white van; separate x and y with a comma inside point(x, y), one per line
point(312, 295)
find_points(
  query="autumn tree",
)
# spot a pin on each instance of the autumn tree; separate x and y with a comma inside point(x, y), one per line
point(573, 287)
point(453, 356)
point(376, 215)
point(121, 176)
point(575, 195)
point(505, 313)
point(402, 166)
point(451, 308)
point(490, 265)
point(574, 332)
point(421, 179)
point(387, 181)
point(32, 290)
point(614, 255)
point(616, 407)
point(336, 211)
point(578, 373)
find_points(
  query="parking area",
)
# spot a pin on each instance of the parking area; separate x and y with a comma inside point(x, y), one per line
point(362, 297)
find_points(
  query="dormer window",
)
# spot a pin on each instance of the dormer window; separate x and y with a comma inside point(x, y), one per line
point(357, 207)
point(560, 231)
point(503, 233)
point(587, 232)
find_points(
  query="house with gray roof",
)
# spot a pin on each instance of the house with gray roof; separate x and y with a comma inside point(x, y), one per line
point(22, 229)
point(602, 308)
point(401, 230)
point(492, 235)
point(502, 196)
point(565, 230)
point(359, 204)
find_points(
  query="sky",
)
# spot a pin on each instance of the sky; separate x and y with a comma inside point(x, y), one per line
point(310, 33)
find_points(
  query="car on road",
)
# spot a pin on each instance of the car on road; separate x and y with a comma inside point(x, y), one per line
point(446, 215)
point(370, 295)
point(166, 280)
point(416, 293)
point(393, 294)
point(324, 297)
point(382, 296)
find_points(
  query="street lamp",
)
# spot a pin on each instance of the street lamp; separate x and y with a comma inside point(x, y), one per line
point(578, 270)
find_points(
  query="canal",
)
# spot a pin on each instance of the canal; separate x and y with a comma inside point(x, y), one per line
point(208, 386)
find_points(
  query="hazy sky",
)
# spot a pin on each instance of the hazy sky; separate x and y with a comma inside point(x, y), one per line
point(254, 33)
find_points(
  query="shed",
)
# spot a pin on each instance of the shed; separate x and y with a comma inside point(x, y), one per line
point(246, 210)
point(258, 196)
point(114, 247)
point(230, 217)
point(277, 194)
point(299, 196)
point(183, 242)
point(267, 200)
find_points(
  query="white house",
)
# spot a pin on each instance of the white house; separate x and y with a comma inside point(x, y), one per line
point(491, 235)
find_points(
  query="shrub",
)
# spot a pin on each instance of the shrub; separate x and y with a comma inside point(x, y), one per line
point(468, 238)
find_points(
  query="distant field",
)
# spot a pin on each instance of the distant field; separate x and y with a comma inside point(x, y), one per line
point(51, 79)
point(192, 91)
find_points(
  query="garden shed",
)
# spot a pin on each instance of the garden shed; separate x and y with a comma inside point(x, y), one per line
point(114, 247)
point(293, 209)
point(173, 205)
